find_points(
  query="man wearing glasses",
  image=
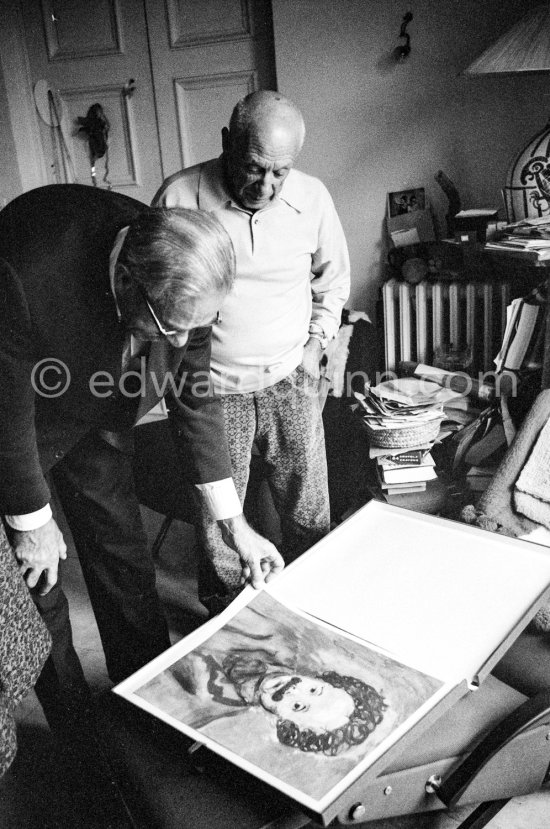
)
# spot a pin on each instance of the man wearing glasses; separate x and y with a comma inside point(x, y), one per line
point(98, 293)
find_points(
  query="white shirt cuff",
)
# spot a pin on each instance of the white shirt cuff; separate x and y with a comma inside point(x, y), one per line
point(327, 325)
point(221, 498)
point(31, 520)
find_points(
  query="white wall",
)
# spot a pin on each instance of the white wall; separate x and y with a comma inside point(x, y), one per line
point(375, 126)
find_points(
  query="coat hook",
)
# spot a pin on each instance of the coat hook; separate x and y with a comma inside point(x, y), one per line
point(129, 88)
point(402, 51)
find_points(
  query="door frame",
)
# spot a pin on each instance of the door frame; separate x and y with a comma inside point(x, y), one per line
point(23, 118)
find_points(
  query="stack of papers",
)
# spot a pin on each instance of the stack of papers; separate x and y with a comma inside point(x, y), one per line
point(527, 236)
point(408, 401)
point(522, 323)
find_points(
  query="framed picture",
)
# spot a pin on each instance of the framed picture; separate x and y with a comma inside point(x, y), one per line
point(406, 201)
point(409, 217)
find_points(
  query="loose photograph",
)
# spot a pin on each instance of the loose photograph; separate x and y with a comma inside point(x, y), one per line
point(406, 201)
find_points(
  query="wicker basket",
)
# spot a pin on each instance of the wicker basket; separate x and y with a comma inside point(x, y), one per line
point(405, 437)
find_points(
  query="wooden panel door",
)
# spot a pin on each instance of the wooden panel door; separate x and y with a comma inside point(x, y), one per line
point(206, 54)
point(88, 52)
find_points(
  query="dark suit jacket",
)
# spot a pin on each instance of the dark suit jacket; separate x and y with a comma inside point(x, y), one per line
point(56, 302)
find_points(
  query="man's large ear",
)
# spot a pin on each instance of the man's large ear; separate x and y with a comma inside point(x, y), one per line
point(225, 140)
point(124, 287)
point(122, 277)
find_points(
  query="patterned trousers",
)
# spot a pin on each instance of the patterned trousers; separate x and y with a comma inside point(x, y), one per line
point(285, 422)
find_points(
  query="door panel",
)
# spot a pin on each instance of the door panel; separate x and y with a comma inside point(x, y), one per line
point(88, 52)
point(200, 103)
point(206, 54)
point(76, 31)
point(191, 22)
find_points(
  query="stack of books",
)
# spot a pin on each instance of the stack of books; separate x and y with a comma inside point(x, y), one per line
point(405, 471)
point(528, 239)
point(522, 340)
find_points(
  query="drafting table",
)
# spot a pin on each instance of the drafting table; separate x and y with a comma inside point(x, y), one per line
point(448, 599)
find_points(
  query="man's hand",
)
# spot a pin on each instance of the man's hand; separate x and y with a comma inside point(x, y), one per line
point(260, 559)
point(311, 358)
point(38, 552)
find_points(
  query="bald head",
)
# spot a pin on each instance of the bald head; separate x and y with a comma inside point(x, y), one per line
point(265, 111)
point(266, 133)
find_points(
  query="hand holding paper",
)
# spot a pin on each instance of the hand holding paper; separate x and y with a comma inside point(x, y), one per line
point(260, 559)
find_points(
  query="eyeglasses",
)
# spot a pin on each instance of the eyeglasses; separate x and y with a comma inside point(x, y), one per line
point(162, 330)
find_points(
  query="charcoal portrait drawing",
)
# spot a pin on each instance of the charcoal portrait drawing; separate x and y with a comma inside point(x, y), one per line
point(299, 700)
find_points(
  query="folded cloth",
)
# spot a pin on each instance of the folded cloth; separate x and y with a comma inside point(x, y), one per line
point(532, 488)
point(497, 502)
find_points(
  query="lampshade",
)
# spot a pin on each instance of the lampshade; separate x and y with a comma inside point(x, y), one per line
point(524, 48)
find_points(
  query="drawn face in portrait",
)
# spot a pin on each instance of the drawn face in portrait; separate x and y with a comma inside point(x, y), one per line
point(309, 702)
point(326, 714)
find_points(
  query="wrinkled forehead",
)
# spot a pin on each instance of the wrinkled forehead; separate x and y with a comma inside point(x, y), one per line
point(272, 138)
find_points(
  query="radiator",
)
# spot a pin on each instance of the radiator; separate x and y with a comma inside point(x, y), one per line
point(419, 318)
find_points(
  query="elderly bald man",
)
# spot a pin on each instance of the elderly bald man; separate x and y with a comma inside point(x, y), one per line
point(292, 281)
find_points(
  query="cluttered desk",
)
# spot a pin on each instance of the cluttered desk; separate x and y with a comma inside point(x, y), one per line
point(479, 326)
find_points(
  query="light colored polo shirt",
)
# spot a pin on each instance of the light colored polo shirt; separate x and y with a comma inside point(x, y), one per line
point(292, 270)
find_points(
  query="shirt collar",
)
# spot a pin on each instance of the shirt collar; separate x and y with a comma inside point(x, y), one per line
point(293, 192)
point(115, 251)
point(213, 192)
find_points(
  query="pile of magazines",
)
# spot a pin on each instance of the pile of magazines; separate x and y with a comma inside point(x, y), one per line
point(529, 238)
point(403, 413)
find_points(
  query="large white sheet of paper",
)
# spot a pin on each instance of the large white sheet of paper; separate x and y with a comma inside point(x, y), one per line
point(439, 594)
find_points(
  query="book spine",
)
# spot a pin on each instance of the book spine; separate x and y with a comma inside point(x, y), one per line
point(404, 459)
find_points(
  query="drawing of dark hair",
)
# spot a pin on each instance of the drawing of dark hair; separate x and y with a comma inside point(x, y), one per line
point(368, 713)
